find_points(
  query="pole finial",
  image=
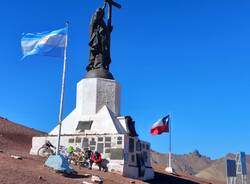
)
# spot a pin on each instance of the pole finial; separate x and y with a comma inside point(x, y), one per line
point(66, 23)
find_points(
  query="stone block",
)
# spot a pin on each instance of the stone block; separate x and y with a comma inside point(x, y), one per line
point(94, 93)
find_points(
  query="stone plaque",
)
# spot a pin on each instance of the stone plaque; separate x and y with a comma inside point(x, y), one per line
point(71, 140)
point(92, 142)
point(133, 158)
point(138, 146)
point(107, 94)
point(145, 156)
point(100, 139)
point(78, 139)
point(85, 139)
point(107, 145)
point(94, 93)
point(116, 154)
point(100, 147)
point(107, 139)
point(84, 125)
point(143, 146)
point(131, 145)
point(85, 143)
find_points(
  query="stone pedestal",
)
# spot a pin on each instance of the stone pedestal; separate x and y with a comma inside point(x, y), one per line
point(94, 93)
point(97, 101)
point(96, 124)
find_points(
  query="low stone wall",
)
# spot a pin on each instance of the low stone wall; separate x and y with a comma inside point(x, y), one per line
point(126, 155)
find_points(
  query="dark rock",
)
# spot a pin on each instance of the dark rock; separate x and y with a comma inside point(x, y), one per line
point(196, 153)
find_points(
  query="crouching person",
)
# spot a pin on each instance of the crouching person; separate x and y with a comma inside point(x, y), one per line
point(97, 159)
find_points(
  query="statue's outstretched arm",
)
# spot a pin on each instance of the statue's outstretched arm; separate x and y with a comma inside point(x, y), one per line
point(104, 6)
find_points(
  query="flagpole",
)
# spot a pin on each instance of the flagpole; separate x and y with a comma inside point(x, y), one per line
point(170, 143)
point(62, 92)
point(169, 169)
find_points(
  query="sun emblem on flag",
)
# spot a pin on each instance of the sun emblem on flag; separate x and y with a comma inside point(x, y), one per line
point(44, 40)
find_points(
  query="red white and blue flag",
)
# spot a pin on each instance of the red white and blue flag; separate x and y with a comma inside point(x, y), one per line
point(162, 125)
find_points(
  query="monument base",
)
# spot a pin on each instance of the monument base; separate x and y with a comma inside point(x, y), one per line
point(122, 154)
point(96, 124)
point(99, 73)
point(170, 170)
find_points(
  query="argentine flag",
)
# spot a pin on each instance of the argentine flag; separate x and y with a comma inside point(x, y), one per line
point(45, 43)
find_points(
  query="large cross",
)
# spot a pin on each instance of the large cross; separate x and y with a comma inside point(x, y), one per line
point(111, 3)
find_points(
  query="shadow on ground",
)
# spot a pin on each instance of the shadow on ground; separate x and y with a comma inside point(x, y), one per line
point(74, 176)
point(169, 179)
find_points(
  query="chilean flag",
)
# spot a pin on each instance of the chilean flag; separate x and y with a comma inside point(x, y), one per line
point(160, 126)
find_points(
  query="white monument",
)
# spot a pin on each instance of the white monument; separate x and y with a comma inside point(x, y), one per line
point(96, 123)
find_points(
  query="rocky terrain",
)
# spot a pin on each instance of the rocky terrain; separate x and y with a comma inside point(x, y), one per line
point(15, 137)
point(15, 140)
point(190, 164)
point(215, 170)
point(198, 165)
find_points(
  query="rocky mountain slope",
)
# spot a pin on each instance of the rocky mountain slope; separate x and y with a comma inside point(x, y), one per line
point(217, 169)
point(198, 165)
point(15, 137)
point(190, 163)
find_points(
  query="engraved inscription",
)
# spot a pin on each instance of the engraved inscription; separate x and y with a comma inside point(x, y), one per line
point(106, 95)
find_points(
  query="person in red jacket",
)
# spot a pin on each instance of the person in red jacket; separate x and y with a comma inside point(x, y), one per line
point(97, 159)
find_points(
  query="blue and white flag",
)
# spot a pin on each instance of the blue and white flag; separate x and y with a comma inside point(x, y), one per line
point(45, 43)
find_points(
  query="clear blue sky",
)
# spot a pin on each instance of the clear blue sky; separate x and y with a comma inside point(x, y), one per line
point(190, 58)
